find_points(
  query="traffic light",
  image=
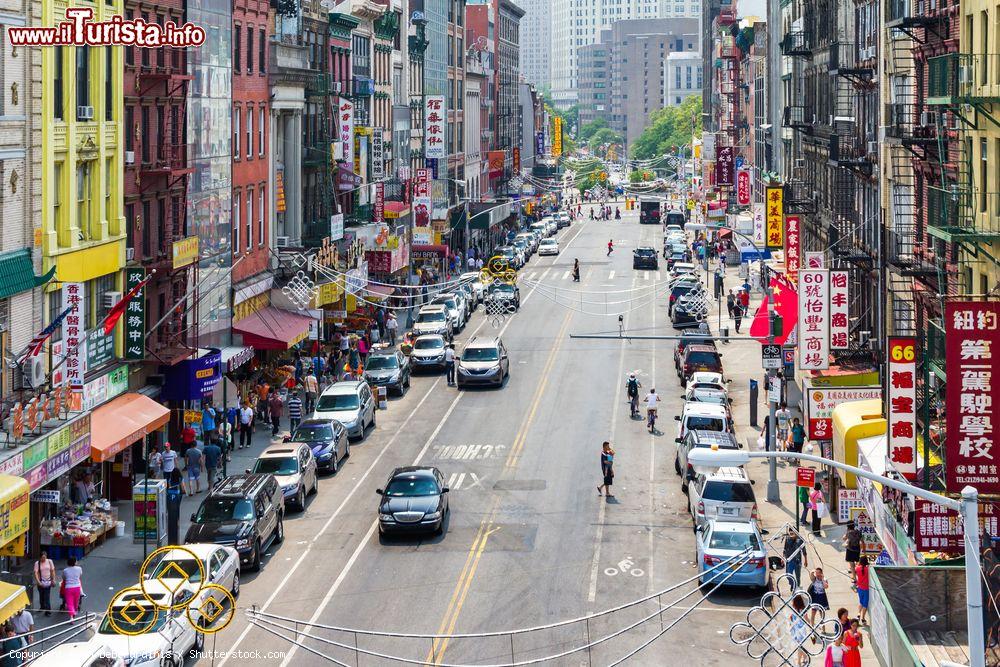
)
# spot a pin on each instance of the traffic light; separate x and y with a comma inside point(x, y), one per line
point(777, 326)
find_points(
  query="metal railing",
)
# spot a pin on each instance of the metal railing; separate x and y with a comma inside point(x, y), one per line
point(963, 77)
point(797, 43)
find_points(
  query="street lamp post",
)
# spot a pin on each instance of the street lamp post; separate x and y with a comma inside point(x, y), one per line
point(968, 507)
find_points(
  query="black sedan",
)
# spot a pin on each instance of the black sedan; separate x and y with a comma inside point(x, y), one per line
point(644, 258)
point(690, 311)
point(327, 438)
point(414, 500)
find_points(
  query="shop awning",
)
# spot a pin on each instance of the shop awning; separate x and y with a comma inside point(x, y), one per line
point(234, 357)
point(17, 274)
point(118, 423)
point(14, 508)
point(272, 328)
point(395, 210)
point(724, 233)
point(432, 249)
point(13, 598)
point(379, 292)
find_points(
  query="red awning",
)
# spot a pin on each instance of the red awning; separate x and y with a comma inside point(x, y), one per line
point(723, 233)
point(436, 249)
point(272, 328)
point(379, 291)
point(118, 423)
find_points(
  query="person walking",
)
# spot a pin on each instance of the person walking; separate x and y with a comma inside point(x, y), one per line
point(246, 425)
point(72, 586)
point(213, 455)
point(818, 505)
point(854, 641)
point(169, 458)
point(209, 430)
point(782, 418)
point(155, 463)
point(835, 652)
point(803, 492)
point(794, 552)
point(861, 581)
point(817, 591)
point(611, 247)
point(23, 624)
point(311, 386)
point(744, 299)
point(193, 460)
point(852, 550)
point(731, 304)
point(607, 469)
point(391, 326)
point(45, 576)
point(274, 407)
point(294, 412)
point(576, 270)
point(798, 435)
point(10, 647)
point(738, 317)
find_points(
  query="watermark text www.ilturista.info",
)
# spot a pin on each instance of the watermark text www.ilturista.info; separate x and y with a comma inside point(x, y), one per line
point(80, 30)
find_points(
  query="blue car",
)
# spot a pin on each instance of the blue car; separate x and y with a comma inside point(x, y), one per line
point(720, 540)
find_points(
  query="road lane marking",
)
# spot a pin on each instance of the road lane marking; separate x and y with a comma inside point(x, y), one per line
point(611, 275)
point(565, 275)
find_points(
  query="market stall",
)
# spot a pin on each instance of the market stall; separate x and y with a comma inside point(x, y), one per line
point(76, 529)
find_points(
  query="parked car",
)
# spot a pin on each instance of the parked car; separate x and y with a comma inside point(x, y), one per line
point(699, 358)
point(551, 225)
point(562, 219)
point(327, 438)
point(691, 310)
point(682, 268)
point(484, 361)
point(142, 635)
point(548, 247)
point(351, 403)
point(428, 352)
point(456, 314)
point(682, 288)
point(294, 466)
point(388, 367)
point(703, 417)
point(720, 540)
point(690, 338)
point(522, 246)
point(175, 569)
point(699, 438)
point(726, 493)
point(507, 294)
point(644, 257)
point(415, 499)
point(475, 284)
point(530, 239)
point(93, 653)
point(708, 380)
point(433, 319)
point(510, 254)
point(242, 511)
point(539, 228)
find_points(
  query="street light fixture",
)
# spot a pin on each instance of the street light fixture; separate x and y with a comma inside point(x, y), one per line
point(705, 458)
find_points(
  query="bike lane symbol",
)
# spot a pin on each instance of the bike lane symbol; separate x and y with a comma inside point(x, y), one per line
point(624, 566)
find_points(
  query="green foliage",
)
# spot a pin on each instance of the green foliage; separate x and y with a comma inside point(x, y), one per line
point(590, 129)
point(639, 176)
point(668, 128)
point(604, 136)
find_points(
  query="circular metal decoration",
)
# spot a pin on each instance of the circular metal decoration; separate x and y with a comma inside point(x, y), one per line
point(300, 290)
point(172, 588)
point(211, 610)
point(130, 611)
point(496, 265)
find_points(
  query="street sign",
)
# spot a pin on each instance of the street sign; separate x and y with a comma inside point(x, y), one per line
point(770, 356)
point(805, 477)
point(774, 390)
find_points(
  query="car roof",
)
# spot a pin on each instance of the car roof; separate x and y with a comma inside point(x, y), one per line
point(318, 421)
point(483, 341)
point(644, 247)
point(728, 474)
point(414, 471)
point(431, 308)
point(198, 549)
point(696, 347)
point(429, 336)
point(383, 352)
point(733, 525)
point(344, 387)
point(706, 376)
point(698, 409)
point(239, 485)
point(282, 450)
point(548, 240)
point(721, 438)
point(74, 653)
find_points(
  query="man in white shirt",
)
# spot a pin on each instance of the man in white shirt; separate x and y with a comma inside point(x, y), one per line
point(651, 402)
point(169, 458)
point(391, 325)
point(449, 363)
point(246, 425)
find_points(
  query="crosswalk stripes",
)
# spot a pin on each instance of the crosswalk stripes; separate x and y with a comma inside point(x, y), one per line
point(565, 275)
point(639, 277)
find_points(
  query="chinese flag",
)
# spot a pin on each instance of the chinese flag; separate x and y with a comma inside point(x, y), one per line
point(118, 310)
point(786, 306)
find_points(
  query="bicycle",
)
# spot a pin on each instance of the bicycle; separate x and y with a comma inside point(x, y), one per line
point(651, 419)
point(634, 405)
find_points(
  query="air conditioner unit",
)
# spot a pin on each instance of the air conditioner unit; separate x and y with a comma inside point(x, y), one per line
point(34, 371)
point(336, 87)
point(129, 254)
point(111, 299)
point(280, 241)
point(129, 157)
point(800, 163)
point(965, 74)
point(85, 113)
point(873, 148)
point(927, 118)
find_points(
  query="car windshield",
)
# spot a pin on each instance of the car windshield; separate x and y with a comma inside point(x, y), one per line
point(705, 423)
point(313, 433)
point(480, 354)
point(728, 492)
point(434, 316)
point(645, 252)
point(329, 402)
point(502, 288)
point(548, 242)
point(382, 362)
point(684, 287)
point(134, 621)
point(429, 344)
point(404, 487)
point(703, 358)
point(733, 541)
point(167, 569)
point(716, 397)
point(449, 302)
point(277, 465)
point(218, 510)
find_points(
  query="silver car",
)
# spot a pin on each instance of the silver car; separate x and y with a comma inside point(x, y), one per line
point(455, 307)
point(351, 403)
point(725, 493)
point(294, 466)
point(428, 352)
point(433, 320)
point(475, 285)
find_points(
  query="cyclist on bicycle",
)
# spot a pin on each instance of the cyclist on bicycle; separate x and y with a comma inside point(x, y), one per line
point(651, 400)
point(632, 391)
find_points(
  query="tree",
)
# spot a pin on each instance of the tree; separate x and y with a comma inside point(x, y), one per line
point(590, 129)
point(604, 136)
point(669, 128)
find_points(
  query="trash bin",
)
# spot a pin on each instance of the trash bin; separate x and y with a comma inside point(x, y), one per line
point(724, 334)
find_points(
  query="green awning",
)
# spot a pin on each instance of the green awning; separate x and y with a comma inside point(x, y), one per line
point(17, 274)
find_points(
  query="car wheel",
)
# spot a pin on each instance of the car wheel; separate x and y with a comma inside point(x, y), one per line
point(255, 563)
point(373, 419)
point(334, 463)
point(684, 487)
point(235, 590)
point(677, 465)
point(300, 499)
point(407, 381)
point(347, 449)
point(279, 531)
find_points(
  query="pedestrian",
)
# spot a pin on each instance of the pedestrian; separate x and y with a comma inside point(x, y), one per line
point(246, 425)
point(818, 505)
point(208, 423)
point(213, 455)
point(799, 629)
point(782, 418)
point(23, 624)
point(861, 581)
point(817, 592)
point(835, 652)
point(744, 299)
point(731, 304)
point(738, 317)
point(45, 576)
point(852, 549)
point(188, 438)
point(803, 492)
point(169, 458)
point(794, 552)
point(193, 460)
point(294, 412)
point(611, 247)
point(311, 386)
point(10, 647)
point(854, 642)
point(449, 363)
point(576, 270)
point(391, 326)
point(72, 586)
point(798, 435)
point(155, 463)
point(607, 469)
point(274, 406)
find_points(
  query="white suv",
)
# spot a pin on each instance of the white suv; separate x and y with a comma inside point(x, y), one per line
point(351, 403)
point(434, 319)
point(725, 494)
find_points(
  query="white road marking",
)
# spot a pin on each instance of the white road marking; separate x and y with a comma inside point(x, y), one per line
point(565, 275)
point(611, 275)
point(657, 276)
point(645, 275)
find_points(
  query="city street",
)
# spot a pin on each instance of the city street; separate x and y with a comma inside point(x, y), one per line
point(529, 542)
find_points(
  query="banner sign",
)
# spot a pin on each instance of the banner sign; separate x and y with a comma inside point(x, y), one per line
point(970, 403)
point(184, 252)
point(775, 217)
point(423, 205)
point(134, 327)
point(75, 297)
point(435, 145)
point(516, 157)
point(724, 166)
point(539, 143)
point(758, 224)
point(345, 122)
point(814, 319)
point(743, 187)
point(820, 402)
point(378, 155)
point(378, 206)
point(336, 226)
point(793, 248)
point(939, 528)
point(347, 180)
point(496, 160)
point(839, 311)
point(814, 260)
point(901, 406)
point(556, 136)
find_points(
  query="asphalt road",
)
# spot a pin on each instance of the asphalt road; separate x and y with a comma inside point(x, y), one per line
point(529, 542)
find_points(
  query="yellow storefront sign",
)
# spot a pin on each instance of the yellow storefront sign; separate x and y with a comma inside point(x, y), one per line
point(328, 293)
point(774, 230)
point(185, 251)
point(247, 308)
point(13, 508)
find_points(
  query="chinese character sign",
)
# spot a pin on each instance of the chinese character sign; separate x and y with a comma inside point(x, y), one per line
point(378, 154)
point(134, 329)
point(758, 224)
point(435, 127)
point(838, 310)
point(724, 166)
point(774, 217)
point(793, 247)
point(539, 143)
point(938, 528)
point(556, 136)
point(972, 333)
point(378, 208)
point(901, 405)
point(743, 185)
point(814, 319)
point(516, 157)
point(423, 205)
point(345, 123)
point(820, 402)
point(74, 328)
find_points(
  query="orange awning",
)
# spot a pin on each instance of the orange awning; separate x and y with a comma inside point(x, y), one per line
point(118, 423)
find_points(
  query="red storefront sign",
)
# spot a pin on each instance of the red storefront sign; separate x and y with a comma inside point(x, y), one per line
point(972, 333)
point(820, 402)
point(938, 528)
point(805, 477)
point(743, 192)
point(378, 209)
point(793, 247)
point(516, 156)
point(839, 310)
point(901, 405)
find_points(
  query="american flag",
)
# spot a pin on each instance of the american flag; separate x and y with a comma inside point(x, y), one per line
point(35, 346)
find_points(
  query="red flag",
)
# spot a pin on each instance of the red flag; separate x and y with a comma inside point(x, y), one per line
point(786, 306)
point(118, 310)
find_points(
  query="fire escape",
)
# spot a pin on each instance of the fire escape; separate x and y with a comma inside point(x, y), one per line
point(798, 44)
point(318, 155)
point(727, 63)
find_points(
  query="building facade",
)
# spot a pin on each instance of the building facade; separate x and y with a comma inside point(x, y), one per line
point(682, 77)
point(594, 80)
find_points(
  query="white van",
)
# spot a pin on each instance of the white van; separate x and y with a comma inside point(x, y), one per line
point(703, 417)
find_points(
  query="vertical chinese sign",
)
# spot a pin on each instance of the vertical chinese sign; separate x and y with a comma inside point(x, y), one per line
point(556, 136)
point(814, 319)
point(345, 124)
point(435, 145)
point(516, 157)
point(378, 154)
point(134, 329)
point(74, 297)
point(901, 405)
point(839, 311)
point(423, 207)
point(539, 143)
point(758, 223)
point(793, 247)
point(378, 209)
point(743, 187)
point(774, 217)
point(724, 166)
point(972, 330)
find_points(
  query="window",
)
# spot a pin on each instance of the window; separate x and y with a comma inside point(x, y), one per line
point(237, 205)
point(83, 199)
point(55, 310)
point(57, 83)
point(102, 286)
point(129, 129)
point(162, 228)
point(237, 47)
point(82, 78)
point(57, 179)
point(108, 206)
point(249, 49)
point(249, 212)
point(160, 134)
point(249, 131)
point(261, 57)
point(236, 132)
point(130, 225)
point(129, 50)
point(260, 215)
point(109, 98)
point(145, 52)
point(147, 237)
point(144, 134)
point(359, 53)
point(260, 131)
